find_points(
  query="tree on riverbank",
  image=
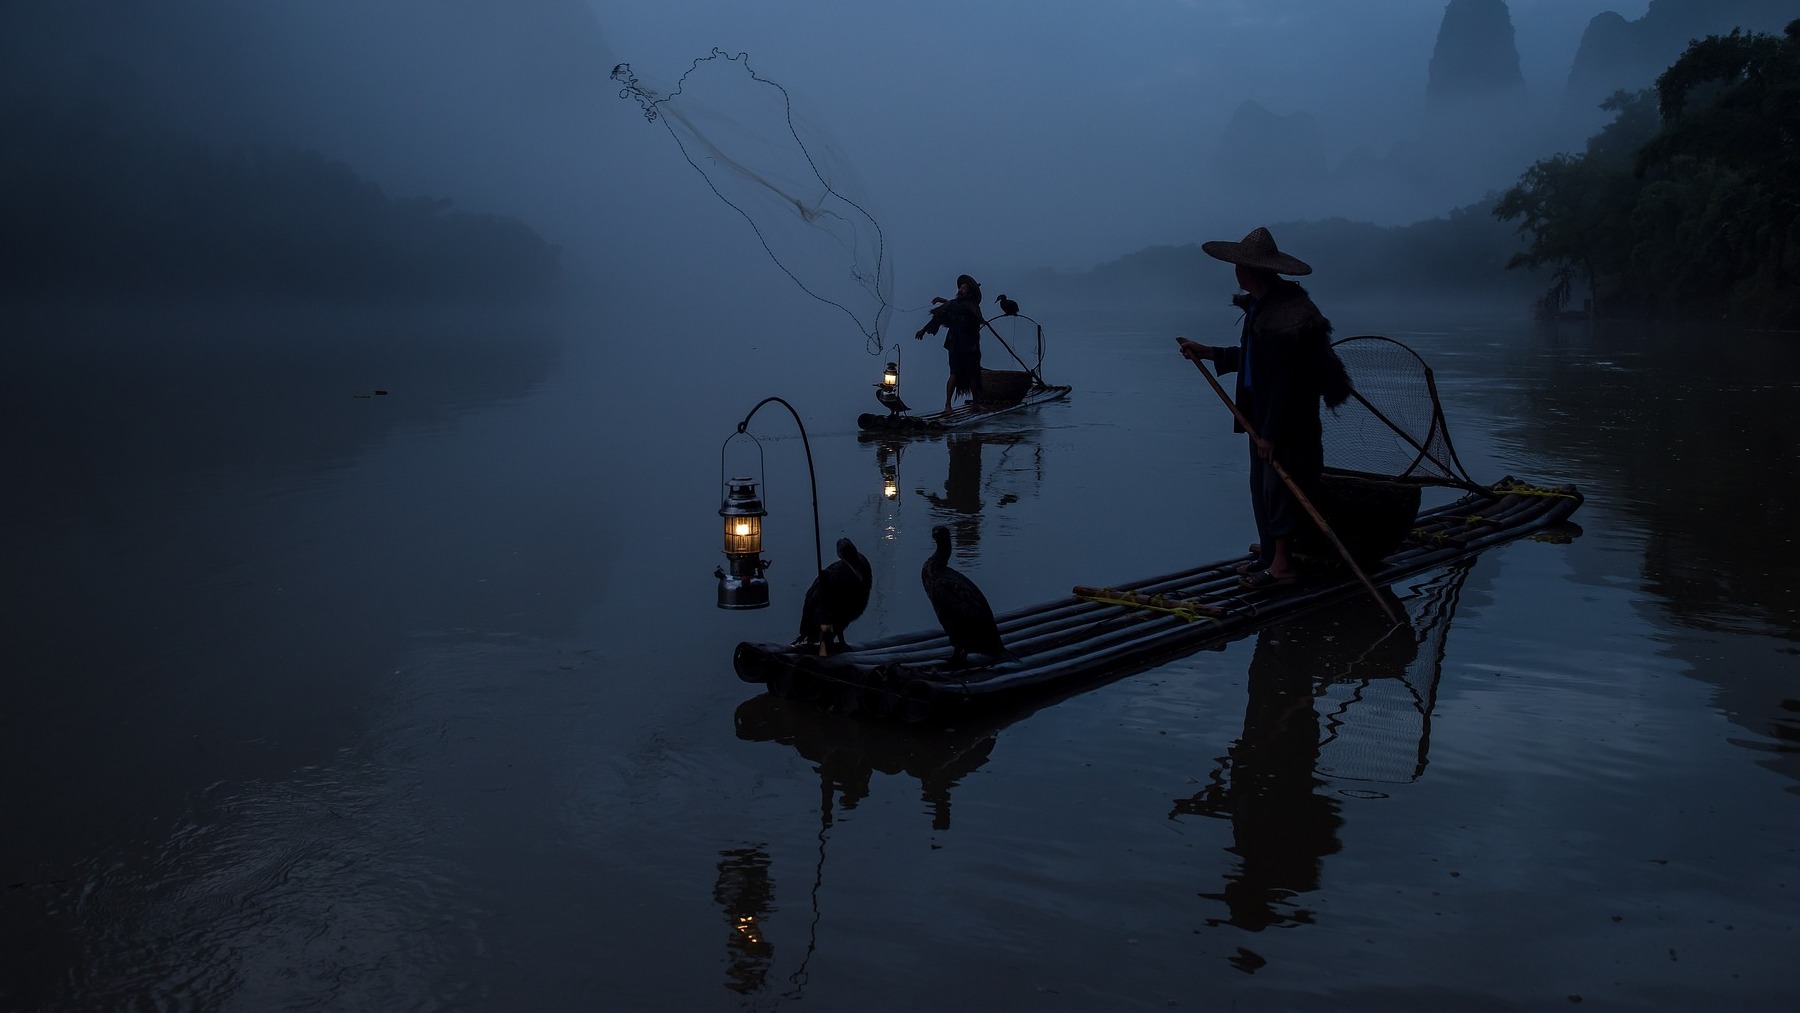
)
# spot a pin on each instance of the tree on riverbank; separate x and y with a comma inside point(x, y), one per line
point(1688, 203)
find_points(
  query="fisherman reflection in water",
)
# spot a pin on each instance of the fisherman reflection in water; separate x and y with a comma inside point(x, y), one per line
point(960, 316)
point(1285, 367)
point(961, 498)
point(1281, 827)
point(961, 503)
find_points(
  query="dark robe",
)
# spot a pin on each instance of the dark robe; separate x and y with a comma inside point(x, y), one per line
point(1285, 367)
point(961, 319)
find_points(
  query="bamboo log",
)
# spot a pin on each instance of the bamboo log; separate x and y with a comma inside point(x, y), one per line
point(1074, 639)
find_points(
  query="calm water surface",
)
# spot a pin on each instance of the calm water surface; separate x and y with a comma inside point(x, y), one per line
point(321, 698)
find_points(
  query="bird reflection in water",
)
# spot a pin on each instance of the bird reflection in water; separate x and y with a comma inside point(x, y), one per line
point(1376, 687)
point(847, 754)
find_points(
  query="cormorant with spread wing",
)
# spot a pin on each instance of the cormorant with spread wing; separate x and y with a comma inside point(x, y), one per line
point(836, 598)
point(962, 610)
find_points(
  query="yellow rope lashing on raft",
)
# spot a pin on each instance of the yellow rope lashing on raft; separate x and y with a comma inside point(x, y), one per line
point(1185, 609)
point(1511, 487)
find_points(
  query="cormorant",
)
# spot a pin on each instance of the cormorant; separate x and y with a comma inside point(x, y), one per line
point(1008, 306)
point(836, 598)
point(890, 400)
point(962, 610)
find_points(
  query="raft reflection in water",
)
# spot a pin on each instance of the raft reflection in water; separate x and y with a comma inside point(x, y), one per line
point(1337, 700)
point(1333, 697)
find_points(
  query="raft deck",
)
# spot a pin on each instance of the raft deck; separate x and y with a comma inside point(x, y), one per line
point(958, 417)
point(1089, 637)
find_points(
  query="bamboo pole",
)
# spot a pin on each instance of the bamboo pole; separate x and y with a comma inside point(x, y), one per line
point(1294, 487)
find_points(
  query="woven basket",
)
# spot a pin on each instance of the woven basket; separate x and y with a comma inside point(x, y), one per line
point(1004, 386)
point(1370, 516)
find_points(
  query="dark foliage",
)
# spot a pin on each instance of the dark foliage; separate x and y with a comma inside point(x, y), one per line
point(1688, 204)
point(95, 207)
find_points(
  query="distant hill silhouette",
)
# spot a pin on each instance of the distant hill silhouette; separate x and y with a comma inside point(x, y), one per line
point(98, 205)
point(1479, 126)
point(1462, 255)
point(1476, 57)
point(1478, 130)
point(1616, 54)
point(1261, 149)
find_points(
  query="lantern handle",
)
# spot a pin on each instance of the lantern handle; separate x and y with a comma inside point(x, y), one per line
point(761, 465)
point(743, 430)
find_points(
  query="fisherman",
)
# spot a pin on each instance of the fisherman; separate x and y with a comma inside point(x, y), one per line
point(1285, 367)
point(961, 317)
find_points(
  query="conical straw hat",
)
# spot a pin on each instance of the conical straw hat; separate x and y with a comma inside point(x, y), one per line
point(1257, 250)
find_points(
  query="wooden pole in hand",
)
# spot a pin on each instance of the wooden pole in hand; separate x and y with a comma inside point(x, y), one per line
point(1294, 487)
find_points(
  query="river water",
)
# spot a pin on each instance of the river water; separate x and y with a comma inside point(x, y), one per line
point(368, 661)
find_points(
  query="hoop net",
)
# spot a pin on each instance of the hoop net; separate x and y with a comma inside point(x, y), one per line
point(1393, 425)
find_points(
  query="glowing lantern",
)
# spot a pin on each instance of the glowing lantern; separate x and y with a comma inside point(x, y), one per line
point(742, 585)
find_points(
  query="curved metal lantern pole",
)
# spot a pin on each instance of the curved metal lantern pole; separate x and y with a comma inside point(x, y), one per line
point(1294, 487)
point(744, 426)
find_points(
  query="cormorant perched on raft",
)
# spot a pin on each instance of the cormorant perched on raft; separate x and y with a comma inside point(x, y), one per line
point(836, 598)
point(962, 610)
point(890, 400)
point(1008, 306)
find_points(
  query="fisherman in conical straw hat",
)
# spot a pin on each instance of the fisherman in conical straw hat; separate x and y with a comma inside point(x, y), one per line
point(1285, 367)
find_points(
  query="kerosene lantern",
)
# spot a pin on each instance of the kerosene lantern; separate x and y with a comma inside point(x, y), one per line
point(888, 390)
point(741, 582)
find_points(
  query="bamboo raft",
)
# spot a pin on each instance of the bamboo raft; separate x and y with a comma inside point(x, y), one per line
point(1097, 634)
point(959, 417)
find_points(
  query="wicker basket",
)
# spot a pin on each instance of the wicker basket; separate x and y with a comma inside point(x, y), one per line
point(1370, 516)
point(1004, 386)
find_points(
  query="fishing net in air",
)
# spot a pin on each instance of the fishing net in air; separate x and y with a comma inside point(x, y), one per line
point(1393, 425)
point(787, 179)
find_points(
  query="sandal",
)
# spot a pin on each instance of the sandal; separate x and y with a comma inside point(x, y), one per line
point(1248, 568)
point(1263, 578)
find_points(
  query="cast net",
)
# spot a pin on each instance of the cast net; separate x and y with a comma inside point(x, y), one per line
point(787, 179)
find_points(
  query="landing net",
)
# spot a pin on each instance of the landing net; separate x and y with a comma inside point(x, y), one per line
point(1393, 424)
point(1375, 711)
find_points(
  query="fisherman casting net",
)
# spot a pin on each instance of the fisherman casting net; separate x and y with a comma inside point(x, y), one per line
point(738, 130)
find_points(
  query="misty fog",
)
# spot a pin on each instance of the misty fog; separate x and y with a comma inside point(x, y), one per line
point(998, 138)
point(369, 364)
